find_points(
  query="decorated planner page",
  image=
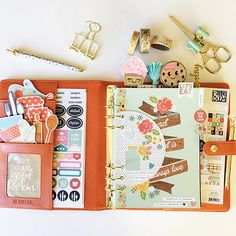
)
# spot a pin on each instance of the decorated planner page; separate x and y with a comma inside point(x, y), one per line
point(69, 150)
point(156, 147)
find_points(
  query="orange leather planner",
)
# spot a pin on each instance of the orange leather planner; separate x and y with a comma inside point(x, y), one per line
point(85, 164)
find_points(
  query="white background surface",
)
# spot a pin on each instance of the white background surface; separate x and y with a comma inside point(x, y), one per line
point(46, 27)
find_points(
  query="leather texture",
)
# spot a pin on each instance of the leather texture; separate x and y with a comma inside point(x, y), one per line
point(95, 161)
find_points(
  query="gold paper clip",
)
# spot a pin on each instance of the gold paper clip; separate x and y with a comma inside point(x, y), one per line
point(84, 42)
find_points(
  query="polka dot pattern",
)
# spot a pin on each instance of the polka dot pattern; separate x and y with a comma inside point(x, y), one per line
point(33, 105)
point(11, 133)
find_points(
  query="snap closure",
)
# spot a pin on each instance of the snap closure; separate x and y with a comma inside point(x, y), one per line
point(214, 148)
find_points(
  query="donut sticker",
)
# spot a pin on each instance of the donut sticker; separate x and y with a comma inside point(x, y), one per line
point(172, 73)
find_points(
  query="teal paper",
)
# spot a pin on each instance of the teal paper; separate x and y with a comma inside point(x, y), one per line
point(186, 185)
point(154, 70)
point(132, 160)
point(194, 45)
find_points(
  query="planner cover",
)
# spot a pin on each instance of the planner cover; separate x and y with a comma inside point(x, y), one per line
point(156, 147)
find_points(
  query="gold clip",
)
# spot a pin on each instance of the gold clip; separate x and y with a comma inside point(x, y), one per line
point(84, 42)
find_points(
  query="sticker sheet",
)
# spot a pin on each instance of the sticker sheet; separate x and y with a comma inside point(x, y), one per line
point(156, 143)
point(69, 150)
point(213, 128)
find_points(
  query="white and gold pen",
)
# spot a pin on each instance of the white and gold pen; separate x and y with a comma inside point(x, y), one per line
point(45, 60)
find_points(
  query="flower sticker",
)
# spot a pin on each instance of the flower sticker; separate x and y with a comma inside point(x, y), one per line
point(145, 127)
point(145, 151)
point(164, 105)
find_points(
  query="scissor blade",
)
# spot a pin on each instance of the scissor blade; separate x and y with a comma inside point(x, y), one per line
point(189, 33)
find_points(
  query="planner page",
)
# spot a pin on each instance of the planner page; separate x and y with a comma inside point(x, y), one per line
point(156, 147)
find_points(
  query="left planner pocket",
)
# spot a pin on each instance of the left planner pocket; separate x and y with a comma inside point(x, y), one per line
point(26, 175)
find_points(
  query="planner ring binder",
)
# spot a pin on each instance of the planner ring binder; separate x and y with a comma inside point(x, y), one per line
point(115, 127)
point(110, 167)
point(113, 116)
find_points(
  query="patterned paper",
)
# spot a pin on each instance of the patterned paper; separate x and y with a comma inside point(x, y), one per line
point(160, 171)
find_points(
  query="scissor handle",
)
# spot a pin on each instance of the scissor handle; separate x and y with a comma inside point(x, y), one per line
point(207, 61)
point(220, 59)
point(210, 53)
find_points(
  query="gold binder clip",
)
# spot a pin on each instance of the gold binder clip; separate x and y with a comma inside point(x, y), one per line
point(85, 42)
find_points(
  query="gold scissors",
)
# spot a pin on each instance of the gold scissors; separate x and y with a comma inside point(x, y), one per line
point(212, 55)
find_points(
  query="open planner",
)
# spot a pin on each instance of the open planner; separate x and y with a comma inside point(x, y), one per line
point(114, 147)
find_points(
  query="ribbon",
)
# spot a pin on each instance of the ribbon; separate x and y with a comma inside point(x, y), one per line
point(170, 167)
point(195, 45)
point(163, 121)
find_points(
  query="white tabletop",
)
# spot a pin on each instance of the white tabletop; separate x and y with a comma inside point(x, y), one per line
point(47, 27)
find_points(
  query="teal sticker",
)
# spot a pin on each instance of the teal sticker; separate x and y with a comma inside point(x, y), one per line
point(75, 137)
point(69, 172)
point(63, 183)
point(130, 134)
point(60, 148)
point(132, 159)
point(151, 165)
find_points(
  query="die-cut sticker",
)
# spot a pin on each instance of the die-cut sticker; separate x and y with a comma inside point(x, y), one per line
point(74, 123)
point(74, 196)
point(60, 110)
point(34, 105)
point(28, 89)
point(62, 195)
point(75, 183)
point(63, 183)
point(16, 129)
point(75, 110)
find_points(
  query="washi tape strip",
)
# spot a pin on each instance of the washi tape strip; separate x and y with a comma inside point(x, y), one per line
point(133, 42)
point(145, 40)
point(161, 42)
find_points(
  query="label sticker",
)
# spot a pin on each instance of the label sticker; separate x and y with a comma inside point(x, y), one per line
point(74, 196)
point(74, 123)
point(69, 149)
point(60, 110)
point(63, 183)
point(75, 183)
point(70, 164)
point(200, 115)
point(75, 110)
point(69, 172)
point(185, 89)
point(62, 195)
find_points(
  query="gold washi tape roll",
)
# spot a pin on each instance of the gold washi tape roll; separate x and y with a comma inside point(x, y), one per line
point(145, 40)
point(161, 43)
point(133, 42)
